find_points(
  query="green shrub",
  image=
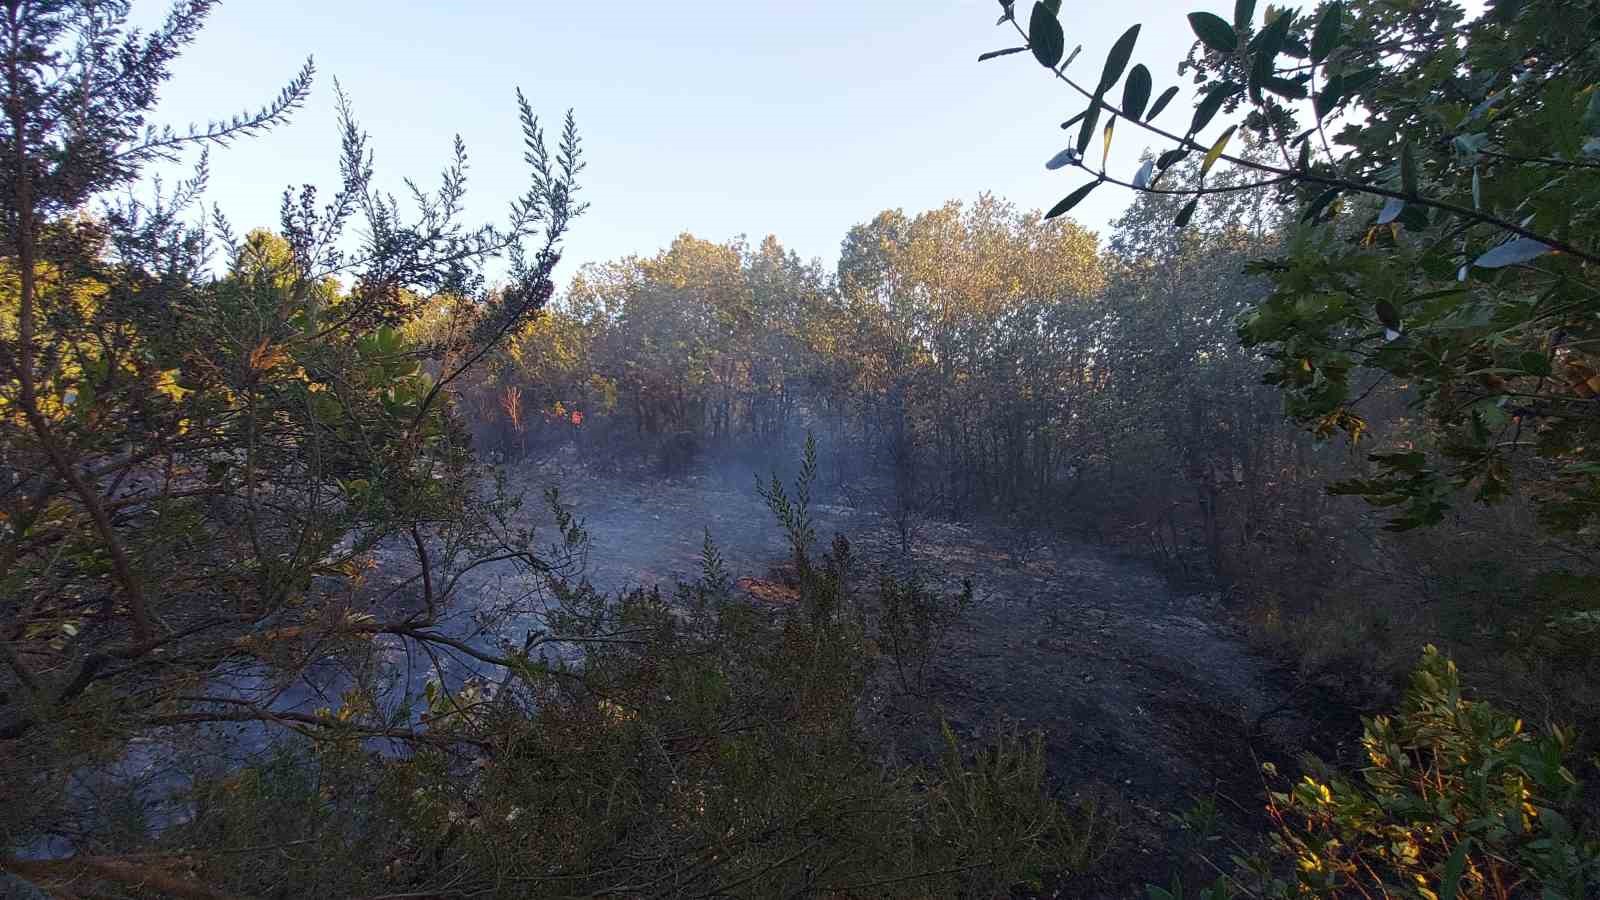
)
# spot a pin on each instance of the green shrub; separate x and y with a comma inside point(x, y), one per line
point(1458, 800)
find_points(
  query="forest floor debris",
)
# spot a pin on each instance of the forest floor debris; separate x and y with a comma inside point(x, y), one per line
point(1147, 696)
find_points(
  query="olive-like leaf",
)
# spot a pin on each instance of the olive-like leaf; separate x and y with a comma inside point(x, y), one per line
point(1388, 315)
point(1244, 12)
point(1391, 210)
point(994, 53)
point(1591, 114)
point(1117, 59)
point(1086, 130)
point(1054, 6)
point(1074, 120)
point(1187, 213)
point(1141, 178)
point(1408, 169)
point(1348, 85)
point(1215, 33)
point(1136, 92)
point(1271, 39)
point(1215, 152)
point(1415, 217)
point(1477, 189)
point(1105, 153)
point(1166, 159)
point(1161, 102)
point(1315, 209)
point(1211, 104)
point(1262, 65)
point(1330, 96)
point(1454, 868)
point(1283, 87)
point(1045, 36)
point(1065, 158)
point(1325, 37)
point(1512, 252)
point(1072, 199)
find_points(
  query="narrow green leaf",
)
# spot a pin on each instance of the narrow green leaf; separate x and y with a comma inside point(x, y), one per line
point(1244, 12)
point(1054, 6)
point(1325, 37)
point(1211, 104)
point(1283, 87)
point(1086, 130)
point(1117, 59)
point(994, 53)
point(1187, 213)
point(1454, 868)
point(1270, 40)
point(1045, 36)
point(1166, 159)
point(1314, 210)
point(1408, 169)
point(1329, 97)
point(1262, 65)
point(1136, 92)
point(1074, 120)
point(1477, 190)
point(1105, 153)
point(1591, 114)
point(1212, 31)
point(1215, 152)
point(1071, 200)
point(1161, 103)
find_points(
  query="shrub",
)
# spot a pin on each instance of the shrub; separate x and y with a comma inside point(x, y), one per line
point(1458, 800)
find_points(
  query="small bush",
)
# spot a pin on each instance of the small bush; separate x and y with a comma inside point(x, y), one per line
point(1458, 800)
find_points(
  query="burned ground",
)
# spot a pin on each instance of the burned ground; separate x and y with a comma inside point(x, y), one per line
point(1149, 701)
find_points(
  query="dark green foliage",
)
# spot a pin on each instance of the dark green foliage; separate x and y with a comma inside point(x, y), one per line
point(1214, 32)
point(1117, 60)
point(1161, 102)
point(1045, 36)
point(1458, 800)
point(1071, 200)
point(1136, 92)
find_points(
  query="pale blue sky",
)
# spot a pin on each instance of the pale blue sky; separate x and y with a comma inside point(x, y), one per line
point(709, 116)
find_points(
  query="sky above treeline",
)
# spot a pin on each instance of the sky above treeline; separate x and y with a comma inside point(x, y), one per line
point(707, 116)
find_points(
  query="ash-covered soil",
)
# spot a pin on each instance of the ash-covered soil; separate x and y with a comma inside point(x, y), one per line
point(1148, 699)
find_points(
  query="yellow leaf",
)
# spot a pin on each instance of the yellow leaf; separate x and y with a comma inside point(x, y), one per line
point(1215, 152)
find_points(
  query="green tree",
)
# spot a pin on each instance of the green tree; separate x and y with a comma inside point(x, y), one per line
point(1442, 166)
point(945, 308)
point(197, 465)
